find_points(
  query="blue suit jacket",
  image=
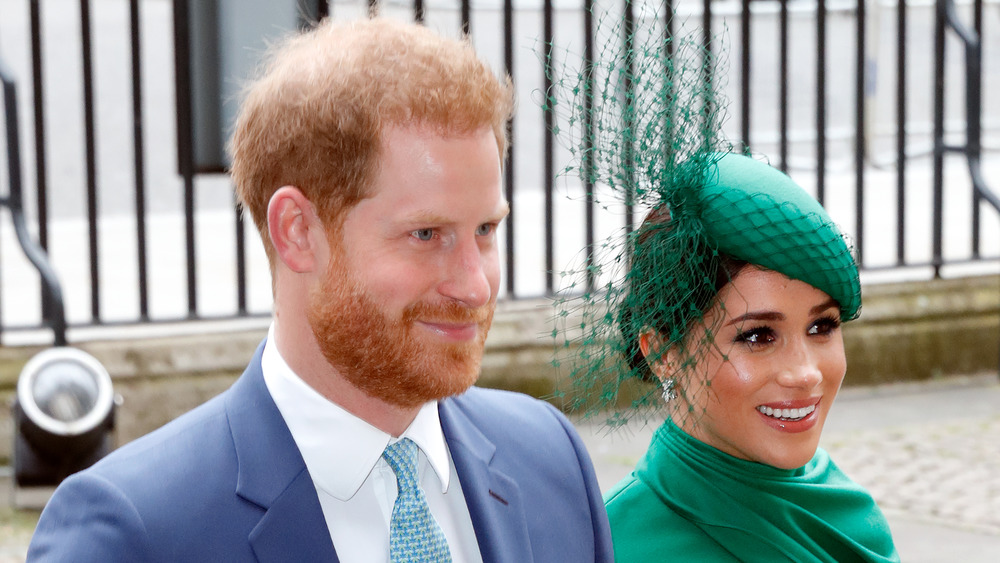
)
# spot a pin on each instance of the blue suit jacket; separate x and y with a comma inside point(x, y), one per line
point(226, 482)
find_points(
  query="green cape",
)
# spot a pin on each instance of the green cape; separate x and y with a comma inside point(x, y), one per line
point(687, 501)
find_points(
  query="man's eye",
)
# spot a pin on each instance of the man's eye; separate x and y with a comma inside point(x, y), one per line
point(484, 229)
point(423, 234)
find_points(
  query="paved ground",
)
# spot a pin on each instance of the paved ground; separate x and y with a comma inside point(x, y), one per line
point(929, 453)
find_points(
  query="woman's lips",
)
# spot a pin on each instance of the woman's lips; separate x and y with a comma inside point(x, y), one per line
point(791, 416)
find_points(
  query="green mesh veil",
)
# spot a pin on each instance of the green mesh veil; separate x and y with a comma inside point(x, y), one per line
point(642, 123)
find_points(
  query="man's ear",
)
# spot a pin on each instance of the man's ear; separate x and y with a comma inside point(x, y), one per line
point(295, 229)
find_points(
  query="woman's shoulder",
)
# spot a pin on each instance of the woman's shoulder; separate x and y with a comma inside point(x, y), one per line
point(644, 528)
point(632, 501)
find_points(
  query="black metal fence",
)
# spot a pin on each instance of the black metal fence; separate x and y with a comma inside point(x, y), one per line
point(862, 102)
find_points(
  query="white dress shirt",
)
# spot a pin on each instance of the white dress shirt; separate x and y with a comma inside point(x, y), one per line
point(356, 487)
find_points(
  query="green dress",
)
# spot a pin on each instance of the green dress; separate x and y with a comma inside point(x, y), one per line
point(687, 501)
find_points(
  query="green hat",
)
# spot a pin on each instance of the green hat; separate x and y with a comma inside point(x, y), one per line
point(720, 211)
point(758, 214)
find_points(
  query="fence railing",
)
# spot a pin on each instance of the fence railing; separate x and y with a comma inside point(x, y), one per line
point(53, 301)
point(853, 98)
point(946, 19)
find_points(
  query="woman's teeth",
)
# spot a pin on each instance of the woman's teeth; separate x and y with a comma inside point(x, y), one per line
point(787, 414)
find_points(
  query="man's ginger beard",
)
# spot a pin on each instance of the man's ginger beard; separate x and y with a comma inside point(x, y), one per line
point(388, 358)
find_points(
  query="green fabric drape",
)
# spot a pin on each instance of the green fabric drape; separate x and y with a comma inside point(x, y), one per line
point(687, 501)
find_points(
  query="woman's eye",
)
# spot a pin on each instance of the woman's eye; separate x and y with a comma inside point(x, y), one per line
point(826, 325)
point(423, 234)
point(756, 336)
point(484, 229)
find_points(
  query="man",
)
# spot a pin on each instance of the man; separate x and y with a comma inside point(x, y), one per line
point(369, 156)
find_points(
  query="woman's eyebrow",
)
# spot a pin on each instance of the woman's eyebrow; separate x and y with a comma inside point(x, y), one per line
point(828, 304)
point(777, 316)
point(757, 316)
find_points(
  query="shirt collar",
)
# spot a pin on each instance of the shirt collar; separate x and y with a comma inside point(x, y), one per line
point(339, 449)
point(425, 431)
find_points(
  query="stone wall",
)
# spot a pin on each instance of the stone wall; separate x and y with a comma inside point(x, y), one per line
point(907, 331)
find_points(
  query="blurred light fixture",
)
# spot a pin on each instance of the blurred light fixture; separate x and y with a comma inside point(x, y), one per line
point(63, 416)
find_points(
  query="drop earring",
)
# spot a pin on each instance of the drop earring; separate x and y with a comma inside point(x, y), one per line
point(669, 391)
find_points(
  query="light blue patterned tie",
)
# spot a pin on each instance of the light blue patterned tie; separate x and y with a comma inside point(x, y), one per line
point(414, 535)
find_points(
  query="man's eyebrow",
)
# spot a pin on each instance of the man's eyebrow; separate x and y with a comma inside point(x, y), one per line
point(434, 218)
point(426, 216)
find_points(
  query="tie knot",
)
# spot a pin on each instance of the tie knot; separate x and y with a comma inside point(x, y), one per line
point(402, 458)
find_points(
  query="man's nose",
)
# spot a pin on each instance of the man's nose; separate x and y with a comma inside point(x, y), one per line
point(466, 279)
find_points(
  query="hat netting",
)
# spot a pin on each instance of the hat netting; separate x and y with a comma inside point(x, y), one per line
point(642, 122)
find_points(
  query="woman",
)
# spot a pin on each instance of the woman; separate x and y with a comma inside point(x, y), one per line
point(729, 297)
point(750, 366)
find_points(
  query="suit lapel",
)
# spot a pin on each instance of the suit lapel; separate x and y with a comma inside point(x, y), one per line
point(293, 528)
point(493, 498)
point(273, 476)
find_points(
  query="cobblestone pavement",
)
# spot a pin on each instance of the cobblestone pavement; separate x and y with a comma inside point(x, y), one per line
point(15, 529)
point(948, 472)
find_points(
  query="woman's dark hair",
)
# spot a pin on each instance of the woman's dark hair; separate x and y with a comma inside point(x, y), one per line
point(653, 254)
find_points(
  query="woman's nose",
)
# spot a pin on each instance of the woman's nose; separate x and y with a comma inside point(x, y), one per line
point(801, 369)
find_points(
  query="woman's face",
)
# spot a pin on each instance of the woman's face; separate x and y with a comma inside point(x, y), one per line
point(764, 384)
